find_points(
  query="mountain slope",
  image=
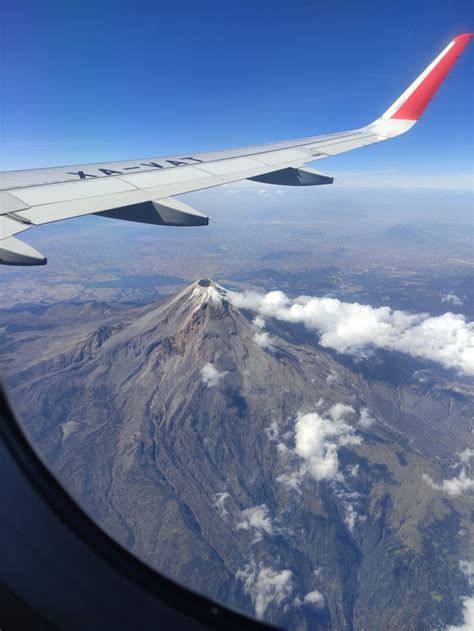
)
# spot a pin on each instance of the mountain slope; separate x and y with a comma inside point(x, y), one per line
point(248, 463)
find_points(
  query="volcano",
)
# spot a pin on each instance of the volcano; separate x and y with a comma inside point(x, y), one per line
point(241, 459)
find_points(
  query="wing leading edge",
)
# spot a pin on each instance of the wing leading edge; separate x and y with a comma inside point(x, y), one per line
point(143, 190)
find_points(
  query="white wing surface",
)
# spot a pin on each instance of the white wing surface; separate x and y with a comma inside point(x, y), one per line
point(144, 190)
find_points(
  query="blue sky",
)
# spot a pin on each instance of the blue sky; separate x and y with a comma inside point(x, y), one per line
point(89, 81)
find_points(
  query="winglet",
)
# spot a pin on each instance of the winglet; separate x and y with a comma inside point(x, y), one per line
point(412, 103)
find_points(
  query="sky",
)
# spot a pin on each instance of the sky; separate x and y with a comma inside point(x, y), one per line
point(96, 81)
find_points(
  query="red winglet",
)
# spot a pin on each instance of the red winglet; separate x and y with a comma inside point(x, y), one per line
point(417, 101)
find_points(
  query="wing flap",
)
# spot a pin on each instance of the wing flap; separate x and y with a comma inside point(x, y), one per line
point(51, 193)
point(164, 177)
point(283, 155)
point(233, 165)
point(57, 211)
point(10, 226)
point(9, 203)
point(334, 148)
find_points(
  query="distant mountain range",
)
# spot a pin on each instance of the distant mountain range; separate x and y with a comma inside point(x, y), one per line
point(410, 234)
point(243, 460)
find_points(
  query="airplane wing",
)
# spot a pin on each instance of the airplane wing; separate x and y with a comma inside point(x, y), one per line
point(144, 190)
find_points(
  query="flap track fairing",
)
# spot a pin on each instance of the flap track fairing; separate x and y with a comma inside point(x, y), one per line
point(294, 177)
point(163, 212)
point(16, 252)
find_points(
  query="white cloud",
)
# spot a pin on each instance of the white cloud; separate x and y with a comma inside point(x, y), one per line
point(259, 322)
point(353, 470)
point(338, 411)
point(467, 568)
point(365, 419)
point(452, 486)
point(318, 438)
point(452, 299)
point(466, 455)
point(311, 598)
point(211, 376)
point(458, 484)
point(68, 428)
point(350, 517)
point(348, 501)
point(219, 503)
point(266, 586)
point(468, 614)
point(263, 340)
point(355, 329)
point(258, 520)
